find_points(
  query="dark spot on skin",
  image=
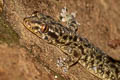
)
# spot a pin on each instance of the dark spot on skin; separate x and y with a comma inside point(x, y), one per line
point(73, 22)
point(68, 43)
point(60, 17)
point(108, 72)
point(85, 59)
point(65, 37)
point(52, 22)
point(60, 30)
point(56, 29)
point(59, 42)
point(87, 45)
point(75, 38)
point(112, 60)
point(46, 38)
point(85, 40)
point(62, 42)
point(71, 25)
point(61, 34)
point(60, 24)
point(49, 17)
point(76, 53)
point(34, 22)
point(92, 62)
point(98, 57)
point(53, 35)
point(75, 44)
point(113, 66)
point(81, 48)
point(80, 39)
point(70, 37)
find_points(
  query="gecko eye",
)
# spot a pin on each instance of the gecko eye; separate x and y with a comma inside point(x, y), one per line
point(44, 28)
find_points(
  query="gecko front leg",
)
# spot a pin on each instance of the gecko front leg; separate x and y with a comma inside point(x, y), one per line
point(73, 56)
point(72, 24)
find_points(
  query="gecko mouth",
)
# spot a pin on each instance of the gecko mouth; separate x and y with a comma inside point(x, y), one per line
point(26, 22)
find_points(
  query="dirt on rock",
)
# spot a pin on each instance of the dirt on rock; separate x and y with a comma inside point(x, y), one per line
point(33, 59)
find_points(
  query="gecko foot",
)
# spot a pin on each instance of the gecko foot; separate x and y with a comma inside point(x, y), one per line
point(65, 63)
point(72, 24)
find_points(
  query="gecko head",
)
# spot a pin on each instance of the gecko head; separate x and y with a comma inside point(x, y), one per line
point(38, 24)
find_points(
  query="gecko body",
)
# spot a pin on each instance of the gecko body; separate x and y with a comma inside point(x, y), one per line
point(78, 49)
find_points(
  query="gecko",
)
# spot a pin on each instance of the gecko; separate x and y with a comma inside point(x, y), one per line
point(78, 49)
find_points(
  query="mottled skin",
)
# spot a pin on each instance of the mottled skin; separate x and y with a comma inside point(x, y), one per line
point(78, 49)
